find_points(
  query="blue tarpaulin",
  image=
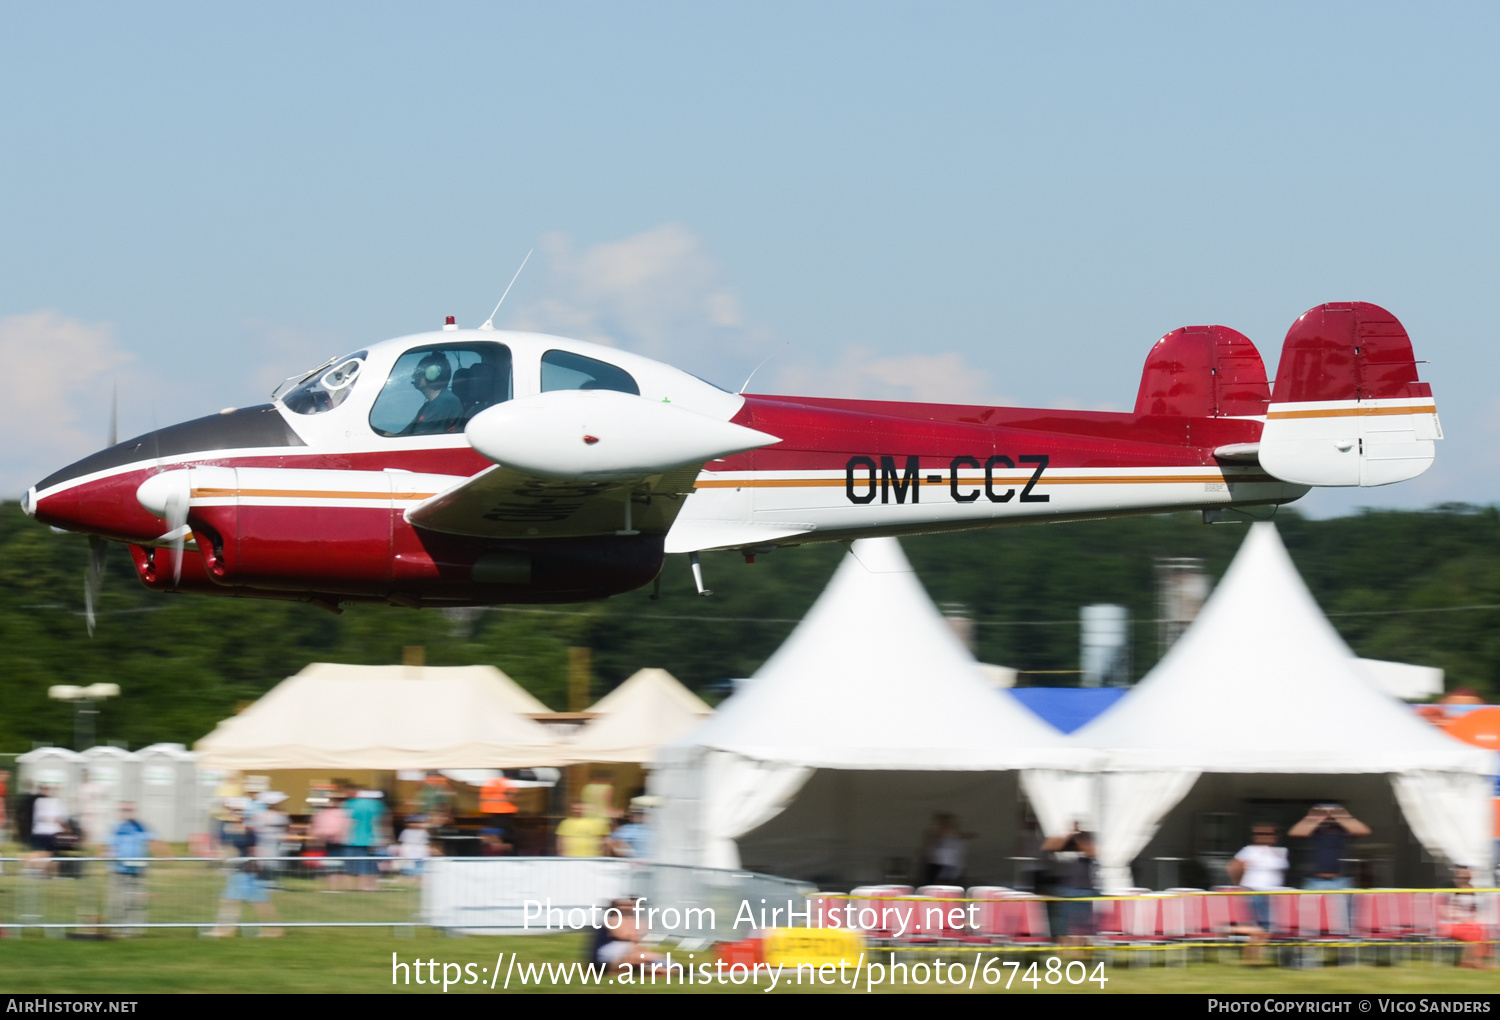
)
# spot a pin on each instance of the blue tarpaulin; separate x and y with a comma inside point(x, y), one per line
point(1067, 708)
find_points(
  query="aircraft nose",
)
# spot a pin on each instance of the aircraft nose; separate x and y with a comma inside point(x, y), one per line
point(107, 507)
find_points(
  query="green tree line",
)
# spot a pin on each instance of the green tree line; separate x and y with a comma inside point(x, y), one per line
point(185, 662)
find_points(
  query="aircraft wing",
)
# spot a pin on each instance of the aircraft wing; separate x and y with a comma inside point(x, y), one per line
point(502, 502)
point(576, 463)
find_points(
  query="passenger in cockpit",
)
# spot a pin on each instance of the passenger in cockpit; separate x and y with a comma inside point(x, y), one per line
point(442, 411)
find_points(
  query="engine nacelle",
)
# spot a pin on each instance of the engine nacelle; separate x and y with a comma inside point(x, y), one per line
point(603, 436)
point(290, 529)
point(343, 534)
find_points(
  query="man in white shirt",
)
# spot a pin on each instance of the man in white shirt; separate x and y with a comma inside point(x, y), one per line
point(413, 846)
point(1260, 866)
point(49, 818)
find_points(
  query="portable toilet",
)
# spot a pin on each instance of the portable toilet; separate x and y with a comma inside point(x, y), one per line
point(110, 775)
point(168, 803)
point(56, 767)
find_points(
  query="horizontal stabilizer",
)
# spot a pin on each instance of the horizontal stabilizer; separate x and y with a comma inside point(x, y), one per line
point(1347, 408)
point(1239, 453)
point(697, 536)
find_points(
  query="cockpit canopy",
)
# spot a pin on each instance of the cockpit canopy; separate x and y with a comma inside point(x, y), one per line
point(432, 389)
point(433, 384)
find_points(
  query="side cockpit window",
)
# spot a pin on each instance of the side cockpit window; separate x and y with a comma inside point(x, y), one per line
point(435, 390)
point(564, 371)
point(325, 387)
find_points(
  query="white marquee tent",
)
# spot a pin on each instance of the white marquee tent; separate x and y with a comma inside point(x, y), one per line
point(634, 720)
point(831, 760)
point(385, 717)
point(1262, 685)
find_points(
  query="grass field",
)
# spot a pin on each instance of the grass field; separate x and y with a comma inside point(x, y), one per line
point(189, 891)
point(360, 960)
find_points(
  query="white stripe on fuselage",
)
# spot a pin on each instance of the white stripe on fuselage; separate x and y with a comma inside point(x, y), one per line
point(818, 497)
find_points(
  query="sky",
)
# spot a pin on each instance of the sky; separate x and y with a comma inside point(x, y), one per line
point(960, 202)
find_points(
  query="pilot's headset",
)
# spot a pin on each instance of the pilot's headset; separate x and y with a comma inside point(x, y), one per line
point(433, 370)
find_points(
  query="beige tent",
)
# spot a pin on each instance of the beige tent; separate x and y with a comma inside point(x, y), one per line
point(646, 711)
point(385, 717)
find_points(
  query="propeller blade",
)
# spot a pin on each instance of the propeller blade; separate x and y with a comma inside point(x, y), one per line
point(93, 578)
point(114, 415)
point(168, 496)
point(176, 517)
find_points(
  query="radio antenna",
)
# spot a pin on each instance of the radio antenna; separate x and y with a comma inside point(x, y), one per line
point(490, 322)
point(757, 368)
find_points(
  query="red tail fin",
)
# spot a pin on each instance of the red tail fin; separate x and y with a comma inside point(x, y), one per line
point(1348, 350)
point(1347, 408)
point(1203, 372)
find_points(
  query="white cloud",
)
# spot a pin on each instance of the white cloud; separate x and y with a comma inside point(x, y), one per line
point(56, 409)
point(280, 351)
point(944, 378)
point(662, 294)
point(658, 293)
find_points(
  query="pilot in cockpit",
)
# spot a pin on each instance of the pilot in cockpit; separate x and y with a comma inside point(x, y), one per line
point(442, 411)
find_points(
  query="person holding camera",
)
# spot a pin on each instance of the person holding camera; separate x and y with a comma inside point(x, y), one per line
point(1328, 828)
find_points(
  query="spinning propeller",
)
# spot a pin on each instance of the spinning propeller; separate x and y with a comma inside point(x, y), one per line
point(167, 496)
point(93, 574)
point(177, 529)
point(93, 578)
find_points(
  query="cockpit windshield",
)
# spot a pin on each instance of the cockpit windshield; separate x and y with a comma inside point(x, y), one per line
point(325, 387)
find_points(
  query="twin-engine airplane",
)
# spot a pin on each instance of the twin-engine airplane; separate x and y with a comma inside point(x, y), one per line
point(468, 467)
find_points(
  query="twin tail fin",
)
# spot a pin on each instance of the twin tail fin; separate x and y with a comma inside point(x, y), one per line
point(1347, 408)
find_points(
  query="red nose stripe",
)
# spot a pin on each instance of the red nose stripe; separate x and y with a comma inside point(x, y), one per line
point(590, 440)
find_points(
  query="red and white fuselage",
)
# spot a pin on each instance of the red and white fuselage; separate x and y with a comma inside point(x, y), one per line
point(482, 466)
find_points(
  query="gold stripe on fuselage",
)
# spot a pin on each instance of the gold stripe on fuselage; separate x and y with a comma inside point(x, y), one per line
point(304, 494)
point(1344, 412)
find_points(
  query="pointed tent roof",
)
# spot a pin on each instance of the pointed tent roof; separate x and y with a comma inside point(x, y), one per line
point(874, 678)
point(511, 693)
point(648, 710)
point(650, 682)
point(1261, 682)
point(385, 717)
